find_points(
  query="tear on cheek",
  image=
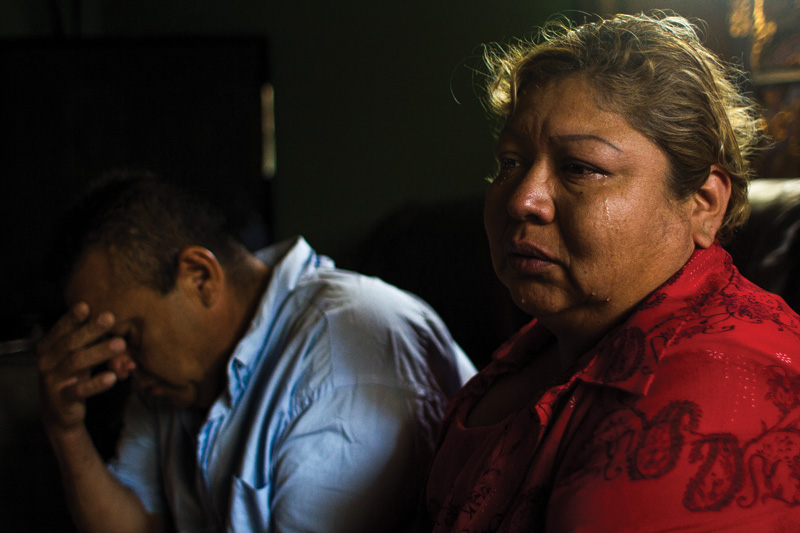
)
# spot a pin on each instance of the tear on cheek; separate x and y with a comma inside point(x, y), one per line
point(596, 297)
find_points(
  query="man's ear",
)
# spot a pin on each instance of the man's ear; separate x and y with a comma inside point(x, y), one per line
point(709, 206)
point(199, 273)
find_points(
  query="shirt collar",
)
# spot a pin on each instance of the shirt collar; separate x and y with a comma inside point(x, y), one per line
point(290, 262)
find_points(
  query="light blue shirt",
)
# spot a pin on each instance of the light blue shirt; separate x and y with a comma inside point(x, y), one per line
point(334, 400)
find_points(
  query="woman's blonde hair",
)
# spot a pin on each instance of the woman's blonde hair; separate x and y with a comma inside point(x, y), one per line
point(654, 72)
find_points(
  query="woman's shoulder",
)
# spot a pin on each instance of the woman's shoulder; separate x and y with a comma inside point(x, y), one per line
point(737, 317)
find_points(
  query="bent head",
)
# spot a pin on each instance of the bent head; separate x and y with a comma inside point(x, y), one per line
point(176, 282)
point(169, 338)
point(146, 221)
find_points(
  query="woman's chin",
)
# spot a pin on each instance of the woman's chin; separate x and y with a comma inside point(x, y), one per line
point(534, 304)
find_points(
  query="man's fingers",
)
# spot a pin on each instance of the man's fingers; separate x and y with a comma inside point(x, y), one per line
point(72, 340)
point(75, 345)
point(83, 389)
point(70, 321)
point(88, 358)
point(122, 365)
point(90, 332)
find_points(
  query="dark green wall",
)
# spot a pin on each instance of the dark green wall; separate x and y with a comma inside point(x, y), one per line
point(374, 104)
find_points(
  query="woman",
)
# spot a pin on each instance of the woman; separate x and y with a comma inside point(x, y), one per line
point(656, 388)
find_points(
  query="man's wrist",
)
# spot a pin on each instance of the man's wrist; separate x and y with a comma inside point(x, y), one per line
point(64, 440)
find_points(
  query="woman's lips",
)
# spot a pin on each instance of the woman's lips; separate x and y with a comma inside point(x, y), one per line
point(528, 259)
point(528, 265)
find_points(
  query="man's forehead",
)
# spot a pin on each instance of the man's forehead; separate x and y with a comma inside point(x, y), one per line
point(92, 279)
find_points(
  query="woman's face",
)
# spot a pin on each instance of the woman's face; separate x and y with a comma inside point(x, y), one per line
point(580, 222)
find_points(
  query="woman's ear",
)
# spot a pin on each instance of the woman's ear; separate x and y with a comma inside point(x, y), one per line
point(200, 274)
point(710, 206)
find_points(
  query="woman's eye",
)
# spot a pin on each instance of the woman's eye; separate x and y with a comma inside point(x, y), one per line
point(507, 163)
point(581, 170)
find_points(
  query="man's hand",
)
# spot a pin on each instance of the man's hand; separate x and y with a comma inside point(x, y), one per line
point(76, 344)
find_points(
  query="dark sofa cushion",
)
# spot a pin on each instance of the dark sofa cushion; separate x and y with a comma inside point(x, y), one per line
point(767, 248)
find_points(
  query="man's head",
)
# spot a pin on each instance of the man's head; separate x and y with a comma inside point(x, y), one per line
point(158, 265)
point(145, 222)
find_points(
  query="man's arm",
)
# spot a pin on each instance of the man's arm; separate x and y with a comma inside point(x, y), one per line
point(76, 344)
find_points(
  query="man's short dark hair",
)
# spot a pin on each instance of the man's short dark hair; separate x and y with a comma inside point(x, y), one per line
point(145, 222)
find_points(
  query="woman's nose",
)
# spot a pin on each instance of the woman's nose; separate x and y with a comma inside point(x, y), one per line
point(532, 196)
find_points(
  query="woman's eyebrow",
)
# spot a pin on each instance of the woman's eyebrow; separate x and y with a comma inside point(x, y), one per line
point(583, 137)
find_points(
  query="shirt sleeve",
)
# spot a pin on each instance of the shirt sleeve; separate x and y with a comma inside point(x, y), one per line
point(345, 424)
point(355, 453)
point(136, 462)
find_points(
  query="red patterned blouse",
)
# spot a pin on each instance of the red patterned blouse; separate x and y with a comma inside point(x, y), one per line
point(684, 418)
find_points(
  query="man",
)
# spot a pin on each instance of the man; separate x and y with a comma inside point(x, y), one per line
point(274, 391)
